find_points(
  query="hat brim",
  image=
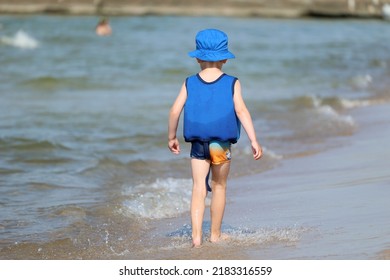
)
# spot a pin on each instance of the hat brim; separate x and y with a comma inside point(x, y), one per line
point(211, 55)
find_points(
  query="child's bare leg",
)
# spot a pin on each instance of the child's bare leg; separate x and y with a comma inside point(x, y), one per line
point(200, 169)
point(218, 201)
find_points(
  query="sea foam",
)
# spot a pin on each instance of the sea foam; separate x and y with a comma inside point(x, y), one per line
point(163, 198)
point(20, 40)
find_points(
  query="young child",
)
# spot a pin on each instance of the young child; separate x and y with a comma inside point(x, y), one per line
point(213, 113)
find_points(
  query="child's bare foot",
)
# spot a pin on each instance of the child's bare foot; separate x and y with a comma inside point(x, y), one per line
point(196, 246)
point(196, 243)
point(222, 237)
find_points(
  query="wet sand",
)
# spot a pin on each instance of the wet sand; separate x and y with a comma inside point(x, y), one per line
point(385, 255)
point(329, 206)
point(340, 197)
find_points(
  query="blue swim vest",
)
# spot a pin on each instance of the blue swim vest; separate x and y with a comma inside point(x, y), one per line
point(209, 110)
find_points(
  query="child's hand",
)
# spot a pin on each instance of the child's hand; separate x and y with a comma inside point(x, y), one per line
point(257, 150)
point(174, 146)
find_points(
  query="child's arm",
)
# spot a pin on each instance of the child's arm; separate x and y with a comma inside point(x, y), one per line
point(246, 120)
point(174, 115)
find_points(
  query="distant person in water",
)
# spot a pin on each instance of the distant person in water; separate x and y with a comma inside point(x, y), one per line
point(103, 28)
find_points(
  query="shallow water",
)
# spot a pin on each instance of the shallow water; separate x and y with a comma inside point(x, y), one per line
point(84, 168)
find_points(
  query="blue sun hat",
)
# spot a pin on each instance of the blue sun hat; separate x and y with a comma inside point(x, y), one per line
point(211, 45)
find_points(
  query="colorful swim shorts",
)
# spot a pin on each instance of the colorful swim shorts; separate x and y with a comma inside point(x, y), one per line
point(217, 152)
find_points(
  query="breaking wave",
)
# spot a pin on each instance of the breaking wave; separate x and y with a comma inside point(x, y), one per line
point(164, 198)
point(20, 40)
point(248, 237)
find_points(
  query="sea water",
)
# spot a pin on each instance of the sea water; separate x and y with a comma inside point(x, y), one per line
point(85, 171)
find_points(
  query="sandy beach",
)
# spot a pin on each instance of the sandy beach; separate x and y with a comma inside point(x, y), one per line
point(385, 255)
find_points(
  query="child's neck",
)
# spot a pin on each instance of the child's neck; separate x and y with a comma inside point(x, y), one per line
point(210, 74)
point(210, 70)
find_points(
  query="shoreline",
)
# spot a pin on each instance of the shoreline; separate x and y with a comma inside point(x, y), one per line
point(331, 194)
point(328, 206)
point(235, 8)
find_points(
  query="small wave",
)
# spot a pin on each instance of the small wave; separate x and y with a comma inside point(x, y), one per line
point(327, 108)
point(6, 171)
point(20, 40)
point(25, 144)
point(350, 104)
point(45, 82)
point(267, 153)
point(361, 81)
point(336, 103)
point(330, 113)
point(245, 236)
point(127, 167)
point(70, 211)
point(345, 104)
point(49, 161)
point(249, 237)
point(164, 198)
point(43, 186)
point(312, 118)
point(114, 166)
point(52, 83)
point(271, 154)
